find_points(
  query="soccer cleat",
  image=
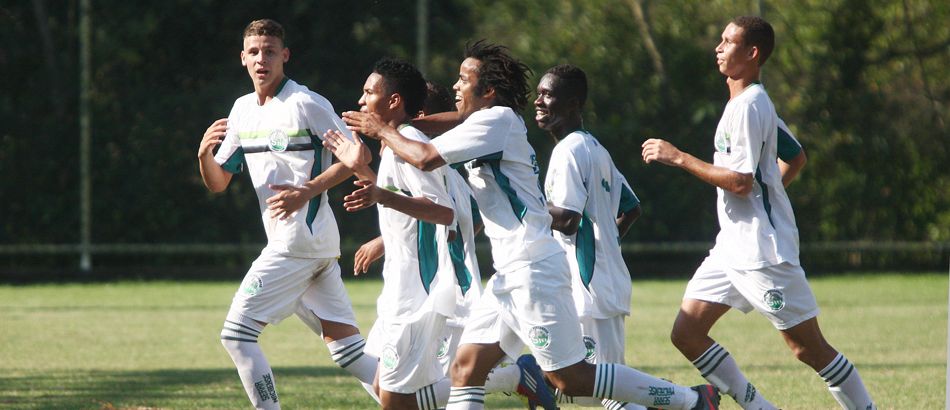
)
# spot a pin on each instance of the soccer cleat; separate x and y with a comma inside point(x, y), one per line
point(531, 385)
point(708, 397)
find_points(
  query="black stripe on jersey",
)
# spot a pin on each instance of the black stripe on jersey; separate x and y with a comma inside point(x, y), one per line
point(290, 147)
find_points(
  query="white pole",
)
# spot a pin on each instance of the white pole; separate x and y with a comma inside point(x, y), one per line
point(422, 35)
point(85, 136)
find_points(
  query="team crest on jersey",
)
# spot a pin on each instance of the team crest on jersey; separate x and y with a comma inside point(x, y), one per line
point(774, 300)
point(443, 348)
point(591, 346)
point(723, 142)
point(540, 337)
point(389, 357)
point(278, 140)
point(252, 285)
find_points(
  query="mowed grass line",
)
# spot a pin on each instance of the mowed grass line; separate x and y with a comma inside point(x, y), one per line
point(155, 344)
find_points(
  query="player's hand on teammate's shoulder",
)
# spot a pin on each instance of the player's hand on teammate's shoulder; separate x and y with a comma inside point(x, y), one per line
point(213, 137)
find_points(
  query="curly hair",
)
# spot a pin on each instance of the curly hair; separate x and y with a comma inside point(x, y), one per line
point(500, 71)
point(757, 32)
point(438, 99)
point(572, 80)
point(401, 77)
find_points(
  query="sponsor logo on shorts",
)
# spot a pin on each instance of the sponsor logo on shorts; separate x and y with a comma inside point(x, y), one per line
point(540, 337)
point(443, 348)
point(265, 388)
point(591, 346)
point(277, 141)
point(774, 300)
point(252, 285)
point(389, 358)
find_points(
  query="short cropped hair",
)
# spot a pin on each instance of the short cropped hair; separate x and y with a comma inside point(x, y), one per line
point(500, 71)
point(401, 77)
point(265, 27)
point(572, 80)
point(757, 32)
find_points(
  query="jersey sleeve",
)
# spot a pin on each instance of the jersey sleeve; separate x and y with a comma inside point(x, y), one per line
point(482, 135)
point(746, 140)
point(566, 179)
point(230, 154)
point(320, 118)
point(788, 146)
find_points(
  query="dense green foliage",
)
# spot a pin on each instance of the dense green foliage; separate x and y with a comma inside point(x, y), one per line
point(862, 83)
point(155, 345)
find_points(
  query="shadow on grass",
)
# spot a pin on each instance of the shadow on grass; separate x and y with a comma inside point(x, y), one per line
point(167, 388)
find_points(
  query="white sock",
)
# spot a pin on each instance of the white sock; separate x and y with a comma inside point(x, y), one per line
point(348, 354)
point(622, 383)
point(239, 339)
point(434, 396)
point(466, 398)
point(503, 378)
point(718, 366)
point(845, 385)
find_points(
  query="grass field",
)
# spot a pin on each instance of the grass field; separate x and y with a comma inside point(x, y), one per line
point(155, 345)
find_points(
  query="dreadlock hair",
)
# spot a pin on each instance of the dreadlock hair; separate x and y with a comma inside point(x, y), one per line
point(401, 77)
point(572, 80)
point(757, 32)
point(500, 71)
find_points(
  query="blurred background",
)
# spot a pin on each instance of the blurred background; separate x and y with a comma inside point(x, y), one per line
point(104, 103)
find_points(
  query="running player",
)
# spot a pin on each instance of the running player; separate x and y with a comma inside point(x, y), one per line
point(528, 301)
point(754, 264)
point(592, 207)
point(274, 132)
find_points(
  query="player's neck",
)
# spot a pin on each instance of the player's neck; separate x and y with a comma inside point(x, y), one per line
point(738, 85)
point(266, 92)
point(569, 126)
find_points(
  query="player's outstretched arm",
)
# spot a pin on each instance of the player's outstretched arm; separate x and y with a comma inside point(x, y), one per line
point(351, 153)
point(663, 152)
point(417, 207)
point(421, 155)
point(368, 253)
point(436, 124)
point(289, 198)
point(213, 175)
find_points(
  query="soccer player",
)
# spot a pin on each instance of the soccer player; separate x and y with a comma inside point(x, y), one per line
point(528, 301)
point(273, 130)
point(592, 206)
point(754, 264)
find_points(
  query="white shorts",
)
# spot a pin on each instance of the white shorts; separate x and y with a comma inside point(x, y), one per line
point(540, 314)
point(604, 339)
point(407, 353)
point(276, 286)
point(780, 292)
point(449, 345)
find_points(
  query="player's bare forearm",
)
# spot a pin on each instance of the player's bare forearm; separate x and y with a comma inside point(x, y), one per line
point(563, 220)
point(417, 207)
point(727, 179)
point(215, 178)
point(333, 176)
point(626, 220)
point(435, 124)
point(791, 168)
point(419, 154)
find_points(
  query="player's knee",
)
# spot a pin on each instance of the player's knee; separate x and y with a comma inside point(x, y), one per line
point(680, 338)
point(238, 328)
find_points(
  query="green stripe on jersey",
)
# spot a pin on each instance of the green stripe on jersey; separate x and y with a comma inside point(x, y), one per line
point(314, 204)
point(428, 253)
point(457, 252)
point(235, 163)
point(786, 146)
point(584, 250)
point(257, 134)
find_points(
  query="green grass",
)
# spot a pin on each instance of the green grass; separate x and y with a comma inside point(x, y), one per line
point(155, 345)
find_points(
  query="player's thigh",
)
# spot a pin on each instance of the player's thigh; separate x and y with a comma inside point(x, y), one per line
point(780, 293)
point(407, 353)
point(272, 287)
point(327, 299)
point(712, 283)
point(604, 339)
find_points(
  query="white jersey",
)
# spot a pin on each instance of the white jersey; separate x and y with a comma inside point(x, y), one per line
point(756, 230)
point(582, 178)
point(462, 248)
point(280, 142)
point(417, 271)
point(503, 173)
